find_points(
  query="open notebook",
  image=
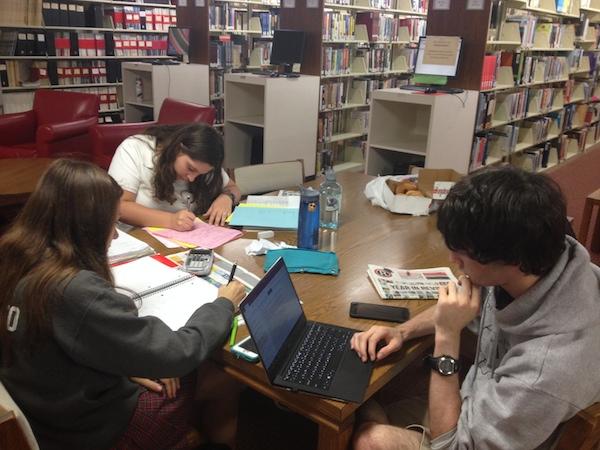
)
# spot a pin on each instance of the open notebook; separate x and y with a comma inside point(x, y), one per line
point(170, 294)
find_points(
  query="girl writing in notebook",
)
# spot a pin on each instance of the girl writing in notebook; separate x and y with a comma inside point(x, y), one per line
point(172, 173)
point(69, 343)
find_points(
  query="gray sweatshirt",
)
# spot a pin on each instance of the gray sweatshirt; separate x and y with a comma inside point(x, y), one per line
point(74, 388)
point(537, 361)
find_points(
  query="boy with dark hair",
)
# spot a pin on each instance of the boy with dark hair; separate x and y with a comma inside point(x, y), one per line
point(536, 298)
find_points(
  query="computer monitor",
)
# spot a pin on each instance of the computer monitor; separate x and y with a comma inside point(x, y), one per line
point(438, 55)
point(178, 44)
point(288, 49)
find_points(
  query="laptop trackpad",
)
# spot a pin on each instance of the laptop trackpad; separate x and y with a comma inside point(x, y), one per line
point(352, 378)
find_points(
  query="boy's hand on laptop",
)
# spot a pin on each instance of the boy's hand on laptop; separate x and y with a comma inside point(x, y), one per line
point(365, 344)
point(234, 292)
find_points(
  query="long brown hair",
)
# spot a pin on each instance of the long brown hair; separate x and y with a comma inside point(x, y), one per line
point(199, 141)
point(63, 228)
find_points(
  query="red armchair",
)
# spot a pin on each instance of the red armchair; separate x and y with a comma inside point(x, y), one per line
point(58, 125)
point(106, 138)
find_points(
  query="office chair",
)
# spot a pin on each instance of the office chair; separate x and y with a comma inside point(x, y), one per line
point(582, 431)
point(15, 431)
point(261, 178)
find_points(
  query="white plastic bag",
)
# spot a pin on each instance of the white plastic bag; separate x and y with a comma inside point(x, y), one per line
point(378, 192)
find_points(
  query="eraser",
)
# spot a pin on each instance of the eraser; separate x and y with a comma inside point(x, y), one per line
point(268, 234)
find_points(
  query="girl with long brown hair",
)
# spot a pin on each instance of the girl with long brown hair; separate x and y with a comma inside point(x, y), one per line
point(172, 173)
point(69, 342)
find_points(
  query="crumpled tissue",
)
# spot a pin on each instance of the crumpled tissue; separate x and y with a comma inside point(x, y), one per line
point(260, 247)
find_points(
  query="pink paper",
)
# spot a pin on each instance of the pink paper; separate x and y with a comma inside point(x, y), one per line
point(202, 235)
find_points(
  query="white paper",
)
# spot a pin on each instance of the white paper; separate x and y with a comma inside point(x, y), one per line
point(175, 305)
point(475, 4)
point(200, 3)
point(312, 3)
point(125, 247)
point(288, 3)
point(441, 4)
point(290, 201)
point(182, 3)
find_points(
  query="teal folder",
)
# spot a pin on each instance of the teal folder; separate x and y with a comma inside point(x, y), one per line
point(269, 217)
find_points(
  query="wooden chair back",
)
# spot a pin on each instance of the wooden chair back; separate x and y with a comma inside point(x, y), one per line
point(261, 178)
point(582, 431)
point(15, 431)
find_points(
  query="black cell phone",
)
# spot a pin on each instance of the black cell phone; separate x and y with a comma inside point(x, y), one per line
point(379, 312)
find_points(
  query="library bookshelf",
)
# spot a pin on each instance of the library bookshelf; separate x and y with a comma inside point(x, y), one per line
point(229, 36)
point(355, 47)
point(78, 46)
point(411, 128)
point(538, 103)
point(146, 85)
point(270, 119)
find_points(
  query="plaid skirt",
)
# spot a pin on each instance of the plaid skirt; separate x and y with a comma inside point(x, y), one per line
point(161, 423)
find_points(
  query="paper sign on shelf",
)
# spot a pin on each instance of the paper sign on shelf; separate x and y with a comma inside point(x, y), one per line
point(200, 3)
point(475, 4)
point(182, 3)
point(441, 50)
point(312, 3)
point(441, 4)
point(288, 3)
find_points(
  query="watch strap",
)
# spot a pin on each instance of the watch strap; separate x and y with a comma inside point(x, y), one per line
point(445, 365)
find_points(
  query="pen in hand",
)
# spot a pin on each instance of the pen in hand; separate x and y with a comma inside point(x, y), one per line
point(232, 273)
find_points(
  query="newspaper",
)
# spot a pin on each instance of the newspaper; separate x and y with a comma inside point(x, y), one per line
point(392, 283)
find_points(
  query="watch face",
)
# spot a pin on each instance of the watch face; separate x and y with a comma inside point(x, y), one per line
point(446, 366)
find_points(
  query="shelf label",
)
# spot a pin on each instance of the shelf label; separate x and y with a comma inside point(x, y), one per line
point(475, 4)
point(182, 3)
point(312, 3)
point(288, 3)
point(441, 4)
point(200, 3)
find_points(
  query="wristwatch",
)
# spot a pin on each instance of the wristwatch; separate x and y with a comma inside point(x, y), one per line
point(231, 196)
point(446, 365)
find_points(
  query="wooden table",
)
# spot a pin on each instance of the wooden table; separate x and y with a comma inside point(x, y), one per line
point(18, 178)
point(592, 200)
point(368, 234)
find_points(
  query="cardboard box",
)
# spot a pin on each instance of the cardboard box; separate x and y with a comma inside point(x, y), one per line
point(434, 183)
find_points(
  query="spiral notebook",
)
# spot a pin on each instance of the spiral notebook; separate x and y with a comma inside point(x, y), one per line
point(165, 292)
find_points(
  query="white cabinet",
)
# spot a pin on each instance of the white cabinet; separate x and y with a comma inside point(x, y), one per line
point(270, 119)
point(145, 86)
point(407, 126)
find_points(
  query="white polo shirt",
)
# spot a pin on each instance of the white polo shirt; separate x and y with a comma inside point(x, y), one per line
point(132, 167)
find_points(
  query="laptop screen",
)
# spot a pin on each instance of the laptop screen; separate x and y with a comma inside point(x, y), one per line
point(271, 310)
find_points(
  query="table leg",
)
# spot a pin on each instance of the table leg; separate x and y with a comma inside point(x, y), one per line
point(332, 439)
point(585, 222)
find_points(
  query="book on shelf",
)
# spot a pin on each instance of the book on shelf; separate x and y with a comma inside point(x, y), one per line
point(161, 290)
point(393, 283)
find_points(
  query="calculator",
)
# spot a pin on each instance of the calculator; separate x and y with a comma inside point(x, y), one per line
point(199, 261)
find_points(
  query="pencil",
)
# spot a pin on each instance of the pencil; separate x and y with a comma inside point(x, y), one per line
point(234, 327)
point(232, 273)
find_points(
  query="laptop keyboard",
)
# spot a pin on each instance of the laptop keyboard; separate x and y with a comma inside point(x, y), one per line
point(318, 357)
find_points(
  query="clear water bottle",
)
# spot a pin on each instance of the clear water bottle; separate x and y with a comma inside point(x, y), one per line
point(308, 219)
point(330, 193)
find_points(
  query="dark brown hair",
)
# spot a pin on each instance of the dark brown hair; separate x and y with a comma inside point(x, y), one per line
point(64, 227)
point(506, 215)
point(199, 141)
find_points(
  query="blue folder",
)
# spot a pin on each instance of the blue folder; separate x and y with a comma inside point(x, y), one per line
point(265, 217)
